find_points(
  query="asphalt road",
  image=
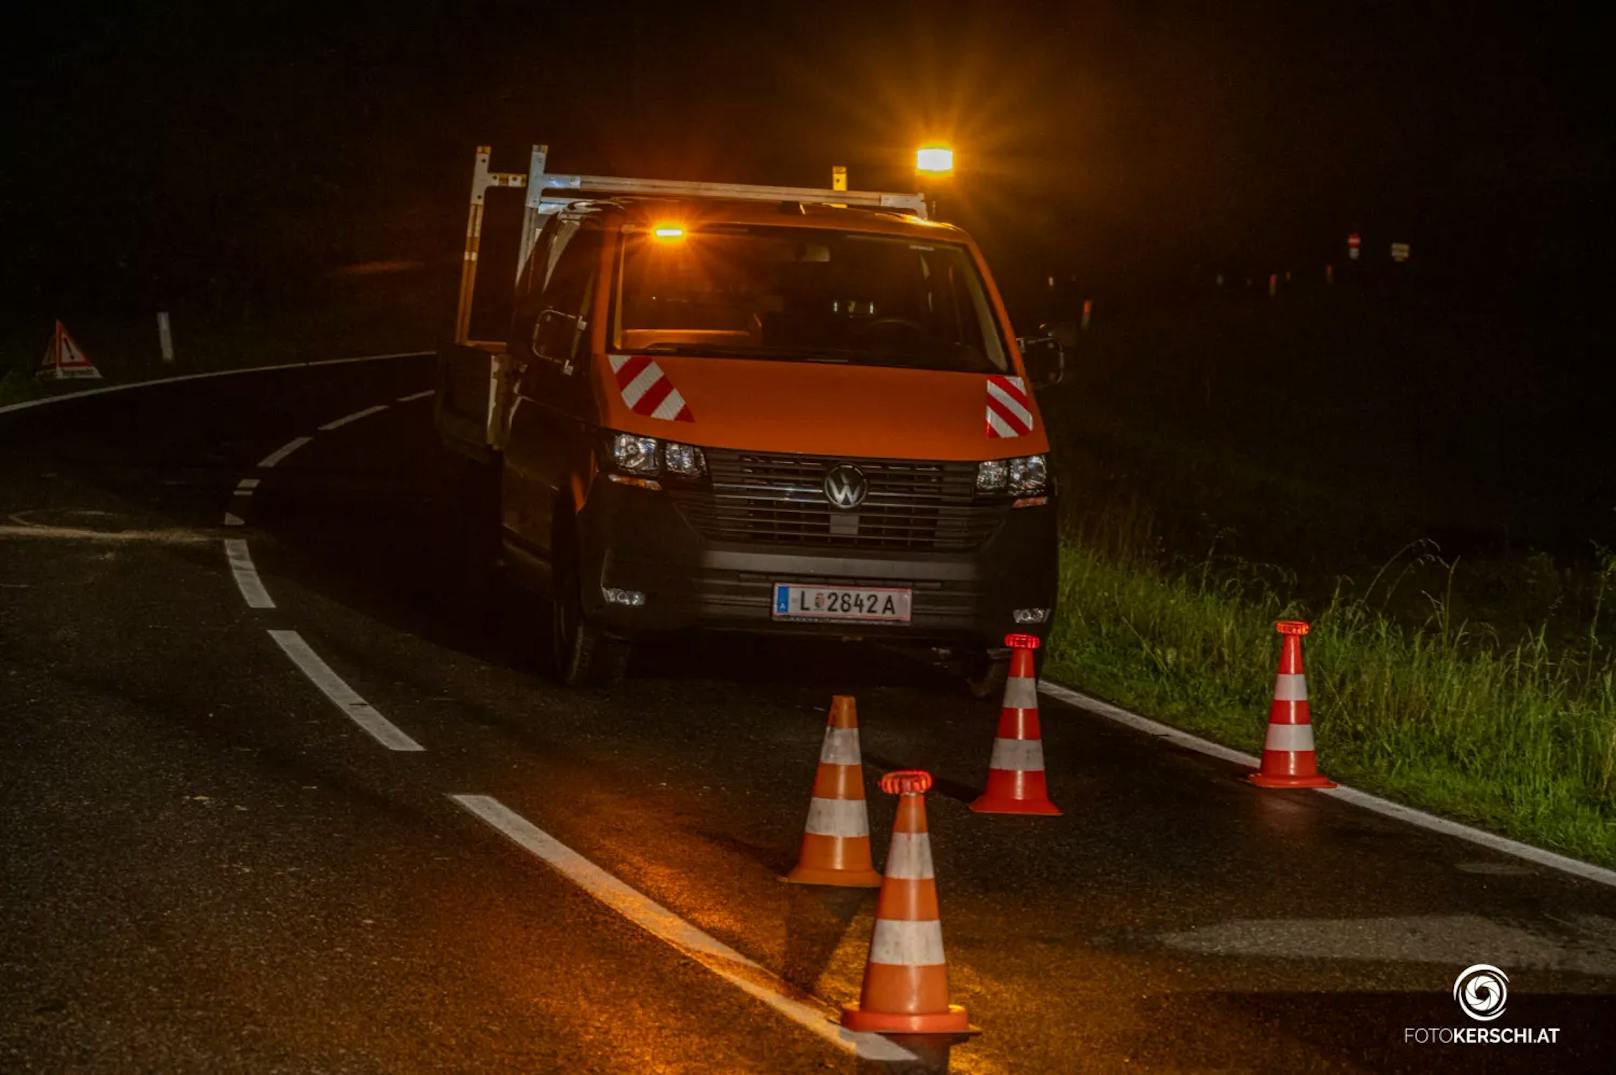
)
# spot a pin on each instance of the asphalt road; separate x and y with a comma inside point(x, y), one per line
point(209, 867)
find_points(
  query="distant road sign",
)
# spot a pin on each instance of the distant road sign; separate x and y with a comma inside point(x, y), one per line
point(1399, 251)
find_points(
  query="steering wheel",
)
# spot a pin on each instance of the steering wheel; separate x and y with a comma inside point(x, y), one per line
point(890, 321)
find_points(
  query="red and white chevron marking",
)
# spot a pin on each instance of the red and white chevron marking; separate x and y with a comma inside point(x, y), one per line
point(647, 390)
point(1009, 407)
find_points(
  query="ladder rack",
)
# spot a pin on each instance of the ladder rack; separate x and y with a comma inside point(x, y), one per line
point(548, 194)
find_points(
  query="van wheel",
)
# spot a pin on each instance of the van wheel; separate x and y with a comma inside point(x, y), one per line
point(985, 676)
point(584, 656)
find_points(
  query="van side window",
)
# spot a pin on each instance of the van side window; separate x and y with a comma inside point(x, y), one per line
point(559, 325)
point(563, 310)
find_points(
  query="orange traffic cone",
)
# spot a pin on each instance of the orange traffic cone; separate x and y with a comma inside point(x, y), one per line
point(1016, 782)
point(836, 839)
point(1288, 760)
point(906, 978)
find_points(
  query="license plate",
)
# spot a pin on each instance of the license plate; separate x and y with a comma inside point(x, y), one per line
point(879, 604)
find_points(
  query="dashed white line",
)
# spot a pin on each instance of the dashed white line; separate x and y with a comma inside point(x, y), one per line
point(283, 451)
point(343, 696)
point(413, 396)
point(247, 581)
point(232, 519)
point(248, 483)
point(338, 423)
point(1576, 867)
point(715, 955)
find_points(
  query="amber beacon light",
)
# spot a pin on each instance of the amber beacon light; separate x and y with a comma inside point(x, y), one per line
point(934, 159)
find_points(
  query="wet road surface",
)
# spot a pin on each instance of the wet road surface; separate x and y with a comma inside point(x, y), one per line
point(208, 866)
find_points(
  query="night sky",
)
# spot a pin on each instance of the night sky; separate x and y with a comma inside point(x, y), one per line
point(1123, 143)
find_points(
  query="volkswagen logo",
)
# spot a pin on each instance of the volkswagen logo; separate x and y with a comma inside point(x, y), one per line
point(846, 486)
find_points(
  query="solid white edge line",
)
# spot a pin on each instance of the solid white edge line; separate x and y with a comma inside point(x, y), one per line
point(413, 396)
point(1576, 867)
point(342, 696)
point(718, 957)
point(26, 404)
point(282, 452)
point(246, 575)
point(338, 423)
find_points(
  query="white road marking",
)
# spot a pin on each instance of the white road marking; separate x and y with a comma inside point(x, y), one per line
point(1576, 867)
point(241, 492)
point(718, 957)
point(247, 581)
point(283, 451)
point(343, 696)
point(247, 483)
point(338, 423)
point(232, 519)
point(413, 396)
point(48, 400)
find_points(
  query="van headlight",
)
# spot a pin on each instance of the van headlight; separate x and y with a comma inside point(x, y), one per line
point(632, 454)
point(1026, 476)
point(635, 455)
point(1029, 476)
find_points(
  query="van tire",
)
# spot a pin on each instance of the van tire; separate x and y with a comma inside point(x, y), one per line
point(584, 656)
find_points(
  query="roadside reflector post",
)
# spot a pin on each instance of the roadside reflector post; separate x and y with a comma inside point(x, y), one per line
point(1329, 273)
point(165, 338)
point(1088, 312)
point(1354, 244)
point(838, 177)
point(1273, 284)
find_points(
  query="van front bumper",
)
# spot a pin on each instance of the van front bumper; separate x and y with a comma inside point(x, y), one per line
point(637, 540)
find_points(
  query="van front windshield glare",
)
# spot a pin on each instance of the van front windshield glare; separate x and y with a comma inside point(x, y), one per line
point(805, 295)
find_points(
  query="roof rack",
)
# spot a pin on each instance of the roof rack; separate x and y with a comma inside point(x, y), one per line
point(547, 194)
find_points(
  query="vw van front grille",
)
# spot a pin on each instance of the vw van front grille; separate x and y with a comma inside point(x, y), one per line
point(780, 499)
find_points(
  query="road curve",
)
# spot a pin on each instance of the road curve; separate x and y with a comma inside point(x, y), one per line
point(251, 710)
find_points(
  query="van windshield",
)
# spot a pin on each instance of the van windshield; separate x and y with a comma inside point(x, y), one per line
point(805, 295)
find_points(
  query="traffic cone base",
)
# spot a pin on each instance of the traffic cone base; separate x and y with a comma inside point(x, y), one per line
point(836, 838)
point(1263, 780)
point(953, 1021)
point(1016, 793)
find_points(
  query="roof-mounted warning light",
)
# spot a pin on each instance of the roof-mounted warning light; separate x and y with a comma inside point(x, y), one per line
point(934, 159)
point(669, 231)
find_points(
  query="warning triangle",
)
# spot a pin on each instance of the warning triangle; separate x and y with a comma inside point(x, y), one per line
point(64, 359)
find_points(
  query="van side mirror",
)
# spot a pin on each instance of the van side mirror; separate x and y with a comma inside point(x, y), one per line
point(1064, 331)
point(1045, 359)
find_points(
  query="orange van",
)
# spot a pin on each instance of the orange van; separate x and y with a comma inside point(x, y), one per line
point(801, 416)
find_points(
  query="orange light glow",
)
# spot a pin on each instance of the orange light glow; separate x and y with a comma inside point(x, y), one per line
point(935, 159)
point(669, 231)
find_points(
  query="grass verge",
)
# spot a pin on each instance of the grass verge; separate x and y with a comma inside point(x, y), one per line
point(1514, 736)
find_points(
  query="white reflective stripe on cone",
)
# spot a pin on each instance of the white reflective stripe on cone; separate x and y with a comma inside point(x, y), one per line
point(1022, 754)
point(1021, 692)
point(907, 944)
point(837, 817)
point(1289, 737)
point(841, 747)
point(909, 858)
point(1290, 687)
